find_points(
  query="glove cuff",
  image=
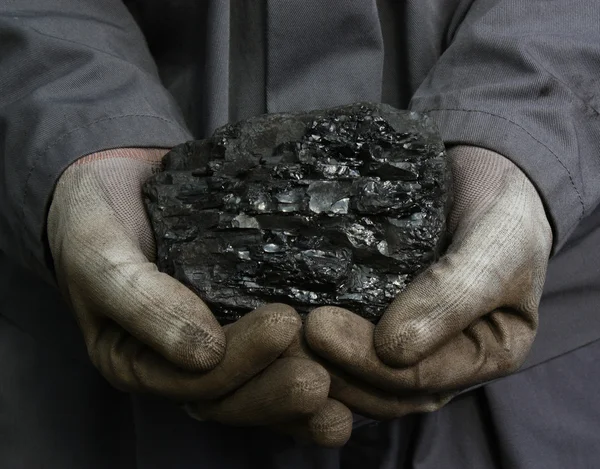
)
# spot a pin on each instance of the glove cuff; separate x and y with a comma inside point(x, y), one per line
point(150, 155)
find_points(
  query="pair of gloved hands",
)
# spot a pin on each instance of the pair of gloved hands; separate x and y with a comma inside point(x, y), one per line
point(469, 318)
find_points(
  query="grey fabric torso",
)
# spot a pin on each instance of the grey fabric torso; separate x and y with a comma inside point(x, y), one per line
point(225, 61)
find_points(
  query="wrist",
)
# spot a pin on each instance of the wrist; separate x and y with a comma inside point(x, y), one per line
point(150, 155)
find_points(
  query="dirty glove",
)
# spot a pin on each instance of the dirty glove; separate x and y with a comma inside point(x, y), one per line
point(469, 318)
point(146, 332)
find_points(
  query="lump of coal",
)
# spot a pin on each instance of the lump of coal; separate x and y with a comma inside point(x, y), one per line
point(341, 206)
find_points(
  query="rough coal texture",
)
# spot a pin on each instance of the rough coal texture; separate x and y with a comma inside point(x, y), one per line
point(333, 207)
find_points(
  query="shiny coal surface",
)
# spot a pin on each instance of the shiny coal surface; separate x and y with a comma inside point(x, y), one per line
point(333, 207)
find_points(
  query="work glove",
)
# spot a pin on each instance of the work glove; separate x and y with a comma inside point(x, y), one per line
point(469, 318)
point(146, 332)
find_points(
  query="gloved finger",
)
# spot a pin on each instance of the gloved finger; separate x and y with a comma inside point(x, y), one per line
point(109, 276)
point(497, 259)
point(253, 342)
point(491, 347)
point(288, 389)
point(330, 426)
point(103, 271)
point(379, 405)
point(345, 340)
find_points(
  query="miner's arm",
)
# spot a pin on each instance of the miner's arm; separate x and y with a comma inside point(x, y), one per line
point(75, 78)
point(521, 79)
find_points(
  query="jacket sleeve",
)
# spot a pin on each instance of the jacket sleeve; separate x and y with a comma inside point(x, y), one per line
point(522, 78)
point(75, 78)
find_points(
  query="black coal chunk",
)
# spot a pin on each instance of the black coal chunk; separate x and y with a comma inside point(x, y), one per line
point(341, 206)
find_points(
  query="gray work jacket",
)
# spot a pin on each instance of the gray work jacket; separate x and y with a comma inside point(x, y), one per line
point(518, 77)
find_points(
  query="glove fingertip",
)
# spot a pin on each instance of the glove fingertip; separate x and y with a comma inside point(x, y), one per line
point(274, 326)
point(333, 428)
point(201, 347)
point(323, 325)
point(399, 348)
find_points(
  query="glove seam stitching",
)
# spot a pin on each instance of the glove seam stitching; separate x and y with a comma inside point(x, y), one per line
point(579, 197)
